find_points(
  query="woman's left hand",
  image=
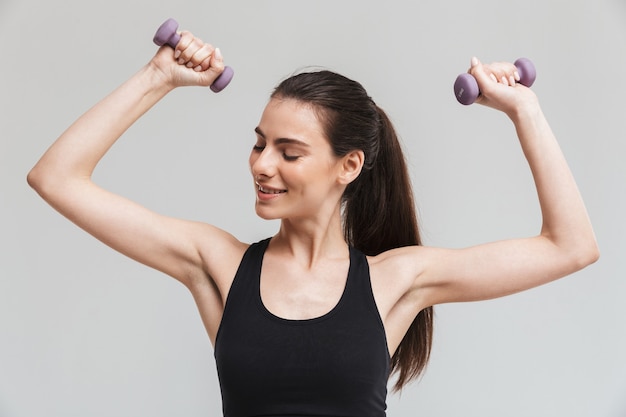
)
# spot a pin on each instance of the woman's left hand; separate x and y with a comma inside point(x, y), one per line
point(500, 88)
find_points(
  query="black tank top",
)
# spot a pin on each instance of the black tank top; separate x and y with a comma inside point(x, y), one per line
point(333, 365)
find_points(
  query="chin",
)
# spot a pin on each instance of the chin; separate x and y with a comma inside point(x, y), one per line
point(265, 214)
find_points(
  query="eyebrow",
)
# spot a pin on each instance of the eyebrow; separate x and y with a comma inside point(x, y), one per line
point(279, 141)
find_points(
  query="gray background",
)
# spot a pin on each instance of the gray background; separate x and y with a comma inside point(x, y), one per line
point(87, 332)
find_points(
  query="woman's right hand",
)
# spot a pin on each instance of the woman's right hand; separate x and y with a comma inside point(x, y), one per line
point(192, 63)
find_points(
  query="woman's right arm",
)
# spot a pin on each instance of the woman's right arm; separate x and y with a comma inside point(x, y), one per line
point(63, 174)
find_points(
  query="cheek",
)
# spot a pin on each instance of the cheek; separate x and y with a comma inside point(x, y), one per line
point(319, 178)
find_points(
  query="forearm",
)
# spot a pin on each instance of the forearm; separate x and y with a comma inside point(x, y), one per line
point(77, 151)
point(565, 220)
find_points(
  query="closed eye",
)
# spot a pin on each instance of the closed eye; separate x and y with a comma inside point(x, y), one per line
point(290, 158)
point(280, 143)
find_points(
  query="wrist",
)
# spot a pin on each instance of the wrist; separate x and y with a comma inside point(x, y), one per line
point(525, 111)
point(155, 79)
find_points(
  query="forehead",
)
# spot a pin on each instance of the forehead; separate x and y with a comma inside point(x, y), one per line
point(291, 118)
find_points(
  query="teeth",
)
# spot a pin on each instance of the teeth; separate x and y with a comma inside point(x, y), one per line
point(266, 191)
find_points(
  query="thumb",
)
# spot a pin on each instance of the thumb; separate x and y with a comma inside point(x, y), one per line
point(478, 72)
point(487, 81)
point(216, 65)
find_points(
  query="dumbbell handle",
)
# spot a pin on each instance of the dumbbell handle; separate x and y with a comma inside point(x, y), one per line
point(466, 88)
point(167, 35)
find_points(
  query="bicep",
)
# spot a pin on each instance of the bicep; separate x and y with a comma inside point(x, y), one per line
point(490, 270)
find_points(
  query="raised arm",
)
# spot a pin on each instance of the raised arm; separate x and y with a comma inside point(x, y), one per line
point(63, 174)
point(566, 242)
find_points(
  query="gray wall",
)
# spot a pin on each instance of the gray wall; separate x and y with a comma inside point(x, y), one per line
point(87, 332)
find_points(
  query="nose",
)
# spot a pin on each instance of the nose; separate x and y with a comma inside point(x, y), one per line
point(262, 163)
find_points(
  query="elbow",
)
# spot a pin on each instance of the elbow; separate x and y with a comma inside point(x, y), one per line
point(585, 254)
point(35, 179)
point(43, 181)
point(573, 254)
point(54, 186)
point(40, 181)
point(593, 253)
point(574, 250)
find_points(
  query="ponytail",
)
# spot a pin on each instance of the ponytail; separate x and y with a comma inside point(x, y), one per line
point(379, 214)
point(378, 207)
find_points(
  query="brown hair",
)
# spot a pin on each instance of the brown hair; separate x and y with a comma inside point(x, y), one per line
point(378, 207)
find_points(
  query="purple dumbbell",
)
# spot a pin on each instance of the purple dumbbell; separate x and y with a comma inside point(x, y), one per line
point(167, 35)
point(466, 88)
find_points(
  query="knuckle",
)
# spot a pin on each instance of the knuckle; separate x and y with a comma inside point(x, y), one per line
point(197, 42)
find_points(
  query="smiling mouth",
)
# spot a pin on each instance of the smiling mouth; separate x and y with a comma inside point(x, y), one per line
point(269, 190)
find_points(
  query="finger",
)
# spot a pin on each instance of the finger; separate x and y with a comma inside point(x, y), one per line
point(183, 43)
point(507, 73)
point(498, 74)
point(200, 61)
point(204, 65)
point(188, 47)
point(503, 73)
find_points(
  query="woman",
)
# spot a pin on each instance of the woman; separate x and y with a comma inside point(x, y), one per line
point(314, 320)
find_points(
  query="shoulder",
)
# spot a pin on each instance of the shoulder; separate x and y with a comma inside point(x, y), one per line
point(420, 275)
point(406, 262)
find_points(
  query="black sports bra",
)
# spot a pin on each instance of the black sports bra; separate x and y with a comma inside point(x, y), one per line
point(333, 365)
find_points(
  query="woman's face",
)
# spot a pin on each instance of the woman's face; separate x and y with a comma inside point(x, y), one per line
point(294, 169)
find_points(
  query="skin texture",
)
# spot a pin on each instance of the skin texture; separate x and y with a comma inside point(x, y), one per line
point(298, 180)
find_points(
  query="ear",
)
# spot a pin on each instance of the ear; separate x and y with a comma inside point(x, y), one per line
point(351, 165)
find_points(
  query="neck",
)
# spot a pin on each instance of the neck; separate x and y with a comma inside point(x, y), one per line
point(311, 240)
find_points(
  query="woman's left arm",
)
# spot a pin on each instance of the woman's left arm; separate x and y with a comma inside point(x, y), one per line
point(566, 242)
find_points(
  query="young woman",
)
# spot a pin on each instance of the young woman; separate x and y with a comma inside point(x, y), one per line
point(313, 320)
